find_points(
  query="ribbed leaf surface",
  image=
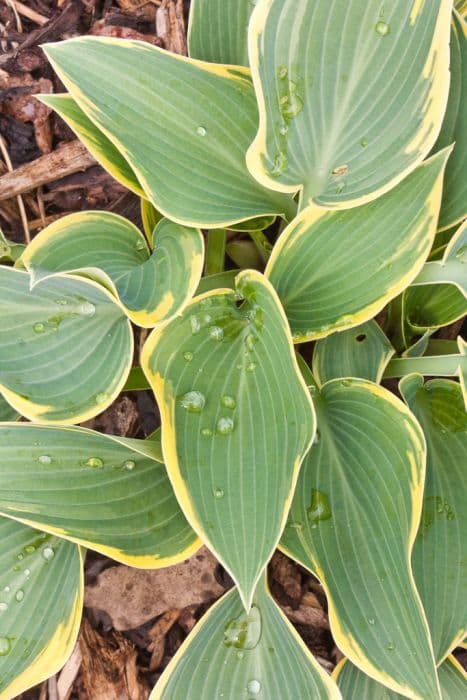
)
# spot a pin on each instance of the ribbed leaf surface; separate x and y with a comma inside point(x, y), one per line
point(41, 598)
point(150, 287)
point(440, 552)
point(65, 347)
point(361, 352)
point(236, 420)
point(335, 269)
point(183, 126)
point(232, 655)
point(107, 493)
point(218, 30)
point(353, 521)
point(354, 102)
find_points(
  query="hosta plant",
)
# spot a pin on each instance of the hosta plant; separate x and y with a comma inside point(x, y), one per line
point(300, 174)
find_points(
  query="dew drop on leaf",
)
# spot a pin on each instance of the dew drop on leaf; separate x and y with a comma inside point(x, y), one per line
point(390, 646)
point(225, 426)
point(5, 646)
point(319, 508)
point(3, 607)
point(188, 356)
point(48, 553)
point(29, 549)
point(19, 596)
point(38, 327)
point(102, 397)
point(94, 463)
point(228, 401)
point(251, 366)
point(129, 465)
point(45, 459)
point(244, 632)
point(140, 245)
point(206, 432)
point(201, 131)
point(282, 72)
point(216, 333)
point(461, 254)
point(86, 309)
point(193, 401)
point(195, 325)
point(382, 28)
point(254, 687)
point(219, 493)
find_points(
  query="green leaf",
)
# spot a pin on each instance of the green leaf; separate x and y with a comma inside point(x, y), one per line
point(10, 251)
point(232, 655)
point(193, 168)
point(223, 280)
point(80, 341)
point(215, 251)
point(236, 420)
point(218, 30)
point(106, 493)
point(361, 352)
point(6, 411)
point(355, 102)
point(355, 685)
point(258, 224)
point(150, 217)
point(41, 599)
point(109, 249)
point(439, 556)
point(97, 143)
point(438, 295)
point(453, 208)
point(353, 522)
point(336, 269)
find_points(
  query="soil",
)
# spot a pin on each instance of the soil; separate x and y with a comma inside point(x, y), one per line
point(129, 631)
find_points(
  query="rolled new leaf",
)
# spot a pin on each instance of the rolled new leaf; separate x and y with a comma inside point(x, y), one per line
point(363, 351)
point(355, 685)
point(66, 347)
point(454, 208)
point(439, 556)
point(236, 420)
point(374, 251)
point(192, 168)
point(151, 287)
point(218, 30)
point(97, 143)
point(242, 655)
point(107, 493)
point(339, 123)
point(353, 522)
point(41, 599)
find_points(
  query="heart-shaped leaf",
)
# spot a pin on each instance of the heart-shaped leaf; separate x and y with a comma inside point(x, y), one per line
point(236, 420)
point(107, 493)
point(80, 341)
point(353, 521)
point(150, 287)
point(183, 126)
point(41, 600)
point(355, 102)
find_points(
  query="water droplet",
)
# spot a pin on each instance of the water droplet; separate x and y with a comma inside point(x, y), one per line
point(461, 254)
point(282, 72)
point(129, 465)
point(3, 607)
point(48, 553)
point(291, 106)
point(61, 302)
point(371, 620)
point(225, 426)
point(102, 398)
point(20, 556)
point(450, 515)
point(216, 333)
point(363, 142)
point(284, 129)
point(38, 327)
point(188, 356)
point(244, 632)
point(195, 325)
point(254, 687)
point(205, 303)
point(319, 509)
point(27, 573)
point(251, 366)
point(19, 596)
point(45, 459)
point(193, 401)
point(86, 309)
point(206, 432)
point(5, 646)
point(201, 131)
point(7, 589)
point(29, 549)
point(317, 437)
point(17, 568)
point(382, 28)
point(94, 462)
point(390, 646)
point(228, 401)
point(219, 493)
point(346, 382)
point(140, 244)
